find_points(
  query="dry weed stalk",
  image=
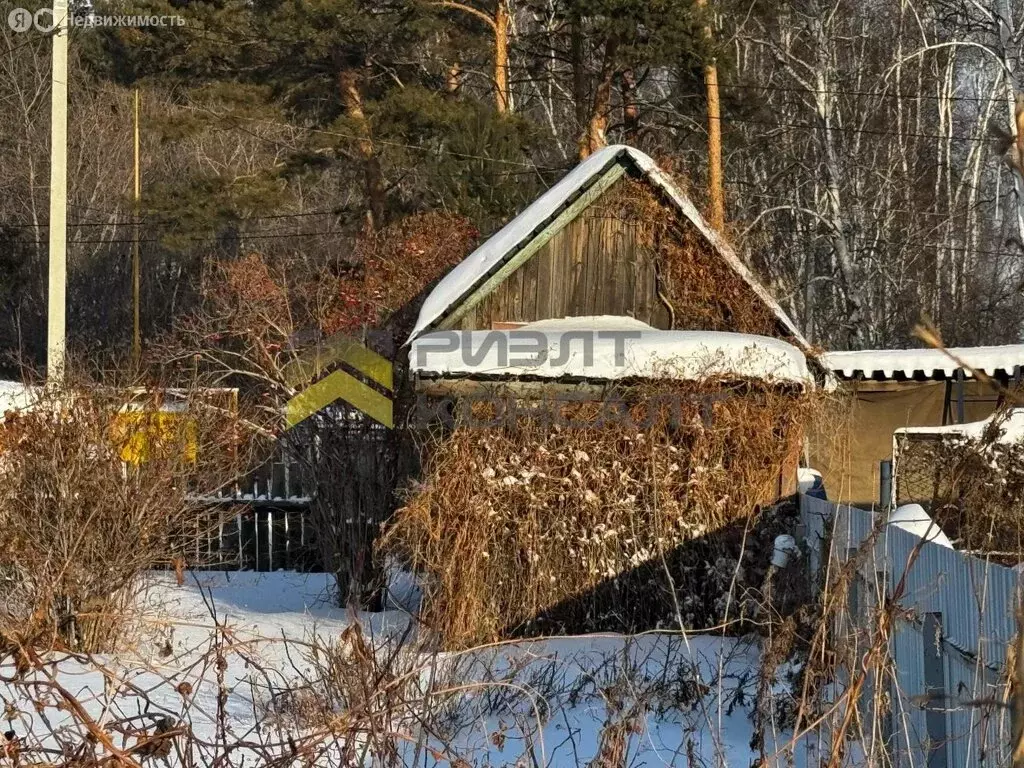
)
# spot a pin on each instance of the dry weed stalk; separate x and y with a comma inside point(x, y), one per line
point(974, 488)
point(99, 485)
point(532, 527)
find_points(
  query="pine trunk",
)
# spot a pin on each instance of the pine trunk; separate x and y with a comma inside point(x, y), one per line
point(580, 92)
point(594, 136)
point(630, 107)
point(715, 181)
point(352, 101)
point(501, 24)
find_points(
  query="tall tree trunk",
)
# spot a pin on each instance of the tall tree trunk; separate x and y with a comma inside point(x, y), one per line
point(594, 137)
point(630, 108)
point(499, 23)
point(352, 101)
point(503, 101)
point(716, 193)
point(580, 92)
point(824, 98)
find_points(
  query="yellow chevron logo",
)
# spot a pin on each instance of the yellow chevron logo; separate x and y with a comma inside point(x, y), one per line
point(340, 385)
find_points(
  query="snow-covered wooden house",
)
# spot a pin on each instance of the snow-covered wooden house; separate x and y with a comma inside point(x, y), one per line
point(535, 513)
point(611, 275)
point(616, 236)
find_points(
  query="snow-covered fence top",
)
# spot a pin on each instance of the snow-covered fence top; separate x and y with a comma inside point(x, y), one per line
point(1010, 429)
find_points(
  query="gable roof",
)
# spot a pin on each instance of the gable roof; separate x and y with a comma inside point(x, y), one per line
point(482, 264)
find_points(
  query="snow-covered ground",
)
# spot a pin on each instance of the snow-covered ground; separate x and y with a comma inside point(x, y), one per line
point(229, 657)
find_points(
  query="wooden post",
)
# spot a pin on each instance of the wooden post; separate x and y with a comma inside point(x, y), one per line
point(58, 255)
point(960, 409)
point(885, 484)
point(136, 268)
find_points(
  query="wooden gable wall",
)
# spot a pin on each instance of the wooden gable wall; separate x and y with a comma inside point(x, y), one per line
point(630, 254)
point(596, 265)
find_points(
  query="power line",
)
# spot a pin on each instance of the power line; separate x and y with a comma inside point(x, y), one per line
point(532, 166)
point(870, 131)
point(778, 198)
point(868, 239)
point(912, 242)
point(145, 220)
point(728, 118)
point(870, 94)
point(210, 238)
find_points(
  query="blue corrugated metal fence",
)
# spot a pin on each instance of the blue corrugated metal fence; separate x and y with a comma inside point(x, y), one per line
point(946, 679)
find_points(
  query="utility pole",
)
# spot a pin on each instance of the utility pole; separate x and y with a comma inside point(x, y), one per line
point(136, 329)
point(55, 325)
point(716, 191)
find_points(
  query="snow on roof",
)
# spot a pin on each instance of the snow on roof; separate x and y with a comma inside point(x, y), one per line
point(1011, 428)
point(929, 363)
point(539, 352)
point(466, 276)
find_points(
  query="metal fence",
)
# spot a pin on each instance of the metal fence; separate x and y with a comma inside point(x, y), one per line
point(242, 536)
point(947, 651)
point(261, 523)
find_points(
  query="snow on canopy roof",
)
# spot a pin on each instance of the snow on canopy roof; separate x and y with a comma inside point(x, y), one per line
point(923, 363)
point(474, 270)
point(605, 355)
point(1011, 428)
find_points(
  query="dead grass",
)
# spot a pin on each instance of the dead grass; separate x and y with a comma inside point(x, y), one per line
point(532, 527)
point(99, 485)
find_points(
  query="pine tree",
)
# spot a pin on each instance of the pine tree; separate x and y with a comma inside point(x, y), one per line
point(367, 82)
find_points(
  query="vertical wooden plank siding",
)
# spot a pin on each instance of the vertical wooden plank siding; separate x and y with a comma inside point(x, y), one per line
point(595, 264)
point(528, 310)
point(563, 219)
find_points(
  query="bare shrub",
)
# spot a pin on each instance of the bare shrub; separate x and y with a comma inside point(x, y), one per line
point(264, 317)
point(973, 486)
point(98, 485)
point(365, 691)
point(533, 526)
